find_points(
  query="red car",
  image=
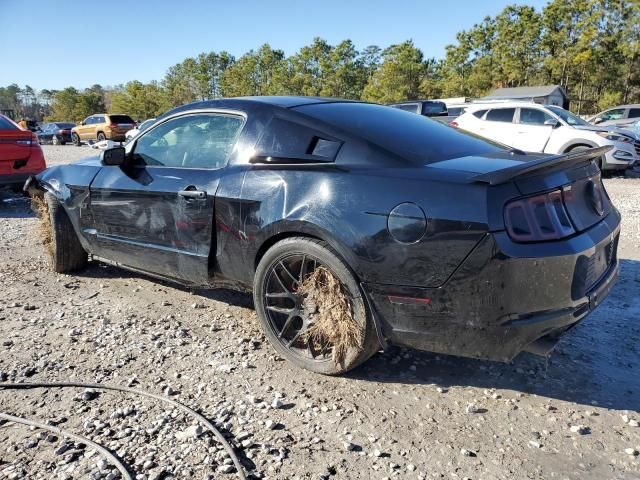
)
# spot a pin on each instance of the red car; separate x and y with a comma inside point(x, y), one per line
point(20, 154)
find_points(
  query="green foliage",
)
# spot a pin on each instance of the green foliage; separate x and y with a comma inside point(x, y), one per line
point(590, 47)
point(71, 105)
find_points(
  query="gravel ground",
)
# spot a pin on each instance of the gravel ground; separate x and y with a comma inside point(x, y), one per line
point(403, 414)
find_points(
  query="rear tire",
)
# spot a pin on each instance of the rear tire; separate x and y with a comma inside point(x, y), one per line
point(101, 137)
point(300, 354)
point(75, 138)
point(67, 254)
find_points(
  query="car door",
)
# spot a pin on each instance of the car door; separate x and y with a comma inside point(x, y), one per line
point(532, 134)
point(157, 212)
point(85, 127)
point(498, 125)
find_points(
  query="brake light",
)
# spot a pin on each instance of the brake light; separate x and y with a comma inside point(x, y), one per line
point(453, 123)
point(538, 218)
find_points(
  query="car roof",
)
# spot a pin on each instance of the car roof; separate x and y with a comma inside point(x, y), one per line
point(630, 105)
point(490, 106)
point(408, 102)
point(289, 101)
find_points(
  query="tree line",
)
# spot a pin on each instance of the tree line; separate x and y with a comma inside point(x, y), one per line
point(590, 47)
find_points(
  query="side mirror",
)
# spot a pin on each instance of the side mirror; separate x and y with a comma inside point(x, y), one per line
point(598, 120)
point(114, 156)
point(552, 122)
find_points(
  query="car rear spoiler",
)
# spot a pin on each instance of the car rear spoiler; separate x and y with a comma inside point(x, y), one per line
point(536, 166)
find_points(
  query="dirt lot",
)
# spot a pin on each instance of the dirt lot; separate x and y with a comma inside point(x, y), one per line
point(403, 414)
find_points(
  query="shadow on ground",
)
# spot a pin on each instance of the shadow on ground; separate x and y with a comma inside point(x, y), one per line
point(14, 205)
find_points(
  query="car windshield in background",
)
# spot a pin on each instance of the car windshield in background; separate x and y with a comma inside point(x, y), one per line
point(413, 137)
point(568, 117)
point(65, 125)
point(146, 124)
point(120, 119)
point(6, 124)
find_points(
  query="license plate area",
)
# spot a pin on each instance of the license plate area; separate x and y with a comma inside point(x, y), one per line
point(590, 269)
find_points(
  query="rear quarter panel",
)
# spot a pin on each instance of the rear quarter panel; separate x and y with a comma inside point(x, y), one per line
point(349, 209)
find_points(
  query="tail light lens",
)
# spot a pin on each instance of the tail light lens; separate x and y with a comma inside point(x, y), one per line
point(538, 218)
point(453, 123)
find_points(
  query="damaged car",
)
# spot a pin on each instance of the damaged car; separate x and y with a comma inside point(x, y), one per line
point(357, 226)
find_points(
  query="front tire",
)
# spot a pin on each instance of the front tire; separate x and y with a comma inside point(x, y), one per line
point(280, 309)
point(101, 137)
point(67, 254)
point(75, 138)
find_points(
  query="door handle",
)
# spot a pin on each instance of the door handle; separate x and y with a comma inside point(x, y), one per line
point(192, 193)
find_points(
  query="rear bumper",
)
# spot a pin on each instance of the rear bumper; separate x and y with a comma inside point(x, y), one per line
point(504, 296)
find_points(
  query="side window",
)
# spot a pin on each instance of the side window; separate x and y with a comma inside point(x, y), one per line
point(192, 141)
point(88, 120)
point(634, 113)
point(615, 114)
point(501, 115)
point(479, 113)
point(533, 116)
point(99, 119)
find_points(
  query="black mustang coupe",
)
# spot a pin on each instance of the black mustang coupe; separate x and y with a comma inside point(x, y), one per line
point(440, 240)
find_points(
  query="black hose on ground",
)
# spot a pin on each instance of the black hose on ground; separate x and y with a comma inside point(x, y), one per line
point(223, 441)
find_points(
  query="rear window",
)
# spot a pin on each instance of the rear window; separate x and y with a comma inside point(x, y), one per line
point(480, 113)
point(501, 115)
point(413, 137)
point(65, 125)
point(120, 119)
point(456, 111)
point(7, 124)
point(634, 113)
point(407, 107)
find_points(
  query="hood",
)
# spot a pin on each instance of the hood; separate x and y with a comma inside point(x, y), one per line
point(92, 161)
point(606, 128)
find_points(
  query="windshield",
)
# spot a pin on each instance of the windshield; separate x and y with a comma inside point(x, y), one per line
point(568, 117)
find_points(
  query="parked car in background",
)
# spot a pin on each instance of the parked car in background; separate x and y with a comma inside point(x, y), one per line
point(56, 133)
point(622, 116)
point(102, 126)
point(454, 110)
point(20, 154)
point(428, 108)
point(549, 129)
point(140, 128)
point(268, 193)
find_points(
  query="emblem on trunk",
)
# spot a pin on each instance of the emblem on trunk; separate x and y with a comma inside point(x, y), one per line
point(594, 195)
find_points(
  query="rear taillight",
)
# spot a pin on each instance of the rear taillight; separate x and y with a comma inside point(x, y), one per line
point(538, 218)
point(453, 124)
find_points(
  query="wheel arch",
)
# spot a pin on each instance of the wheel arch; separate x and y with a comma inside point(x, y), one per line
point(581, 142)
point(306, 230)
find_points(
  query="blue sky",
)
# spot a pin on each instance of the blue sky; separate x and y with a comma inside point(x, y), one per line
point(57, 43)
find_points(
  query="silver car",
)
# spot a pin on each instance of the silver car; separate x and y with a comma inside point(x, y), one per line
point(622, 116)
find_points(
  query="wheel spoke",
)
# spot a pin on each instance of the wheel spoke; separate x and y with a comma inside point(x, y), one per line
point(286, 325)
point(288, 272)
point(280, 282)
point(279, 295)
point(303, 269)
point(295, 338)
point(283, 310)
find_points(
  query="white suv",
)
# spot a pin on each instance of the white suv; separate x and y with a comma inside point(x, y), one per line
point(548, 129)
